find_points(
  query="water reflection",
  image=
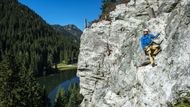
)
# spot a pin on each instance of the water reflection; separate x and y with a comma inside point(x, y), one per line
point(65, 85)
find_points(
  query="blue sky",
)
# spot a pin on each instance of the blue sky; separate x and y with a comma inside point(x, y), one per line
point(65, 12)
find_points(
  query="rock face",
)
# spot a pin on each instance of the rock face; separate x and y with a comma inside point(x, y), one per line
point(110, 51)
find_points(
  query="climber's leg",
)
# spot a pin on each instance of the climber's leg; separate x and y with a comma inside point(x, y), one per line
point(156, 49)
point(150, 55)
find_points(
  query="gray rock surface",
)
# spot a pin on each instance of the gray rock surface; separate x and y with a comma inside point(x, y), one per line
point(110, 51)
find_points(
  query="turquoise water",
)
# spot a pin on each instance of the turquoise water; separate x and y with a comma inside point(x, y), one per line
point(65, 85)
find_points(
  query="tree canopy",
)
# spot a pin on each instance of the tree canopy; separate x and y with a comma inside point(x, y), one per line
point(31, 40)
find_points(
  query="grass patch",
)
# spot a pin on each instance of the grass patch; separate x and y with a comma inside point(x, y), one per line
point(182, 104)
point(183, 101)
point(65, 67)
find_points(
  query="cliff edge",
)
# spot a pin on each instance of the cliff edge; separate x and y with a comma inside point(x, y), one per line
point(110, 51)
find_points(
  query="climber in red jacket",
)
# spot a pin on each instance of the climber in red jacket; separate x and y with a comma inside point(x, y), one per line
point(151, 48)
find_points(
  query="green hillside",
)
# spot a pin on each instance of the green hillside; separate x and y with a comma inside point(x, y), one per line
point(33, 42)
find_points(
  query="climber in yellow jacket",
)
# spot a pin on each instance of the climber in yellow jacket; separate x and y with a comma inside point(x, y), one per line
point(151, 49)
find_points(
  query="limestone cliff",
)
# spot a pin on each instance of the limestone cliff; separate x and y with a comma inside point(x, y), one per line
point(110, 51)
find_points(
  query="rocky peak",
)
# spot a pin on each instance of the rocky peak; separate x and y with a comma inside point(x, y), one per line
point(70, 26)
point(110, 51)
point(69, 30)
point(73, 30)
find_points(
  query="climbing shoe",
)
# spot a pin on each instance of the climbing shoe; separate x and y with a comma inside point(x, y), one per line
point(153, 65)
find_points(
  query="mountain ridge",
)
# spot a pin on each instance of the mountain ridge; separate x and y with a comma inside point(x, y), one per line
point(69, 30)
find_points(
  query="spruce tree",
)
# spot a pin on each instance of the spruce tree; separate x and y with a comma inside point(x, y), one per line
point(17, 86)
point(61, 100)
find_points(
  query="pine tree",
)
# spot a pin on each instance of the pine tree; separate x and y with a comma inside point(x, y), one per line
point(61, 100)
point(69, 98)
point(17, 86)
point(74, 96)
point(46, 100)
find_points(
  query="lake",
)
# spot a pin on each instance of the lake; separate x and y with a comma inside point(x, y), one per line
point(53, 80)
point(65, 85)
point(56, 81)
